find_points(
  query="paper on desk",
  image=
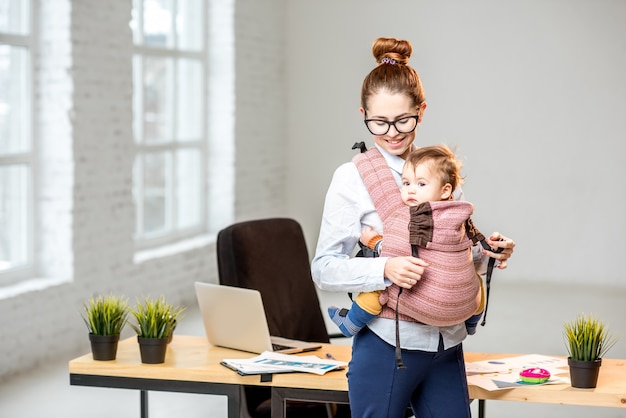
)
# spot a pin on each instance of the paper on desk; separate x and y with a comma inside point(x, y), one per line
point(270, 362)
point(498, 374)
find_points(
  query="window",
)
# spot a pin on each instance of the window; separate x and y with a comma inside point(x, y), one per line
point(16, 144)
point(169, 102)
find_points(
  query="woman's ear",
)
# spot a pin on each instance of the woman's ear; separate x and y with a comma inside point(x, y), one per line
point(446, 192)
point(362, 111)
point(422, 110)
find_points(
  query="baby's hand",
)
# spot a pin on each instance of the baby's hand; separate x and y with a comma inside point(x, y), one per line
point(367, 234)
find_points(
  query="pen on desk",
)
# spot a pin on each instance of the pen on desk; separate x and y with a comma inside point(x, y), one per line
point(331, 357)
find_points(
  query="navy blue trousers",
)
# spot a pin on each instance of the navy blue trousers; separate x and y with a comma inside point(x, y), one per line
point(434, 384)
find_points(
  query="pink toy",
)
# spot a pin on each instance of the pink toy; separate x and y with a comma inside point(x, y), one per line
point(534, 375)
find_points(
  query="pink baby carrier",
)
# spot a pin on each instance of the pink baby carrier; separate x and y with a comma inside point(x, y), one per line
point(442, 232)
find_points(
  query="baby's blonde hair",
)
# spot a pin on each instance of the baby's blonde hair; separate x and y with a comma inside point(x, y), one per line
point(442, 162)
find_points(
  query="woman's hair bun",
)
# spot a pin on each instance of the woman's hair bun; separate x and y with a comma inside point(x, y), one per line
point(392, 49)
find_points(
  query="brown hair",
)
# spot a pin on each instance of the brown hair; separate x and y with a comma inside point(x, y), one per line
point(441, 160)
point(393, 72)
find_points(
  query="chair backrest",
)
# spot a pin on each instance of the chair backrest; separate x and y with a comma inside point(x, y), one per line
point(270, 255)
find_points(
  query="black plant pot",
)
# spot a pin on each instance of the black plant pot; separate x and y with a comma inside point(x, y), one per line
point(104, 347)
point(584, 374)
point(152, 350)
point(171, 336)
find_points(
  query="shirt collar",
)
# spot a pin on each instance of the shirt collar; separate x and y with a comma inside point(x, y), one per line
point(393, 161)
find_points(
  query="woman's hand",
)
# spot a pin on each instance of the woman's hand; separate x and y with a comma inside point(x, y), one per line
point(405, 271)
point(495, 241)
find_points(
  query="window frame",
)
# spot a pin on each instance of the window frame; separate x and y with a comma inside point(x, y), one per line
point(28, 41)
point(141, 52)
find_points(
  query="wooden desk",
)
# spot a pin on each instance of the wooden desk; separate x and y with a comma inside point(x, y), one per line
point(610, 391)
point(192, 366)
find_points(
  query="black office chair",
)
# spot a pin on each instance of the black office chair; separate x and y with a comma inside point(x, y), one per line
point(270, 255)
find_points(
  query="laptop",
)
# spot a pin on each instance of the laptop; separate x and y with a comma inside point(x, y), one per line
point(234, 317)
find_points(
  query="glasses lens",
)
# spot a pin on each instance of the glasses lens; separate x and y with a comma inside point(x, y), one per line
point(377, 127)
point(406, 125)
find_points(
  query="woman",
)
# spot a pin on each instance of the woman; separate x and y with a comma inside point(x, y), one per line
point(433, 382)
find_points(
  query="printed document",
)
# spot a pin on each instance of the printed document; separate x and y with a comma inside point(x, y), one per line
point(271, 362)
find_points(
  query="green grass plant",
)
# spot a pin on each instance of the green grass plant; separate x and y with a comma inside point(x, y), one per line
point(105, 315)
point(155, 318)
point(587, 338)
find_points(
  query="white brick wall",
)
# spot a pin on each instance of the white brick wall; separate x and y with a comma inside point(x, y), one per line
point(261, 140)
point(85, 129)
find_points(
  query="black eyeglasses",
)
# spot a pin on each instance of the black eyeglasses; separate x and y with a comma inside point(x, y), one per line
point(404, 125)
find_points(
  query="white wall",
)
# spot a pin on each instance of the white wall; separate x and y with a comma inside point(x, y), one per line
point(533, 94)
point(261, 146)
point(84, 90)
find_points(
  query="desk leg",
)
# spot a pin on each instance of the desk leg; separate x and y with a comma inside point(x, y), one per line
point(280, 396)
point(143, 394)
point(233, 401)
point(279, 404)
point(481, 408)
point(234, 398)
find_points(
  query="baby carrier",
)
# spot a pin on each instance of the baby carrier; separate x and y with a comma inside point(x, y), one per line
point(443, 234)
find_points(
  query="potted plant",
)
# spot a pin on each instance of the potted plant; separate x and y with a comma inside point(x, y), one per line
point(105, 317)
point(155, 322)
point(587, 340)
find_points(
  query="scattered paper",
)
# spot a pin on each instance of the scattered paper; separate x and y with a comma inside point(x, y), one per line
point(270, 362)
point(498, 374)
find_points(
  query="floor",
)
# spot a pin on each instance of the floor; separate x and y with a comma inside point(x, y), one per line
point(523, 318)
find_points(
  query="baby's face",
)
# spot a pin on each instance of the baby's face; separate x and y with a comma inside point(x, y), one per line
point(420, 184)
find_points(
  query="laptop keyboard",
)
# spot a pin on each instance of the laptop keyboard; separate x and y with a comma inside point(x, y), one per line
point(278, 347)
